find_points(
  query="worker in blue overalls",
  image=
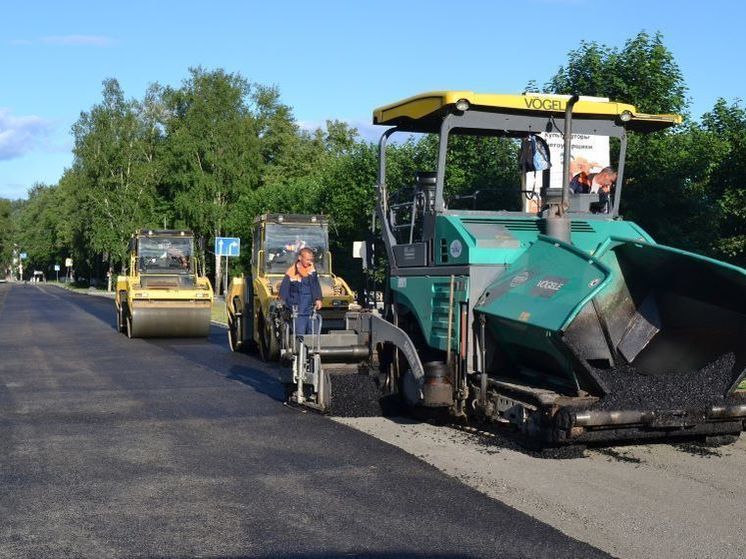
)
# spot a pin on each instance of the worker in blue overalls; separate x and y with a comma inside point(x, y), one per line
point(300, 289)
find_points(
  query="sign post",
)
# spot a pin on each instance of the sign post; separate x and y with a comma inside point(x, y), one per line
point(57, 271)
point(227, 246)
point(21, 257)
point(69, 268)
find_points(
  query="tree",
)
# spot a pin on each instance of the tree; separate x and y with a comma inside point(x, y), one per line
point(281, 143)
point(37, 226)
point(667, 172)
point(684, 186)
point(727, 187)
point(667, 187)
point(643, 73)
point(115, 148)
point(312, 174)
point(6, 236)
point(73, 226)
point(212, 152)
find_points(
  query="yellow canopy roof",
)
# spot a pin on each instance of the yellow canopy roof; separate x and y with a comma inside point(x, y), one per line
point(418, 113)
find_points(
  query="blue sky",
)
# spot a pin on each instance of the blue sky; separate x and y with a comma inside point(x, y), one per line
point(330, 59)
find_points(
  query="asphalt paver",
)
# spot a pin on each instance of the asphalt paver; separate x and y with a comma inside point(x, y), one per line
point(111, 447)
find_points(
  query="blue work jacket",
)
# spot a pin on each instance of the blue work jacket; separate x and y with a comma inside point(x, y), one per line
point(299, 291)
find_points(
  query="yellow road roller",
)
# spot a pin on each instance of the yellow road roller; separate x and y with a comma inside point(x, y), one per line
point(163, 294)
point(255, 316)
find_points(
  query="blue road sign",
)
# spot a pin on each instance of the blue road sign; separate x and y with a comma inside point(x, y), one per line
point(56, 267)
point(227, 246)
point(23, 256)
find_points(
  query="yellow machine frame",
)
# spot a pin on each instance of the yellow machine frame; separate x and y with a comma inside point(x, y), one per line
point(162, 303)
point(250, 301)
point(424, 112)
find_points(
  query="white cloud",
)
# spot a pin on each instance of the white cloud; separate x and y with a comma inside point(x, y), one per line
point(14, 191)
point(311, 125)
point(21, 134)
point(366, 130)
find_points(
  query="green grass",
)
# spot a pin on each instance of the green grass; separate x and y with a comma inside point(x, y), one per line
point(77, 289)
point(218, 311)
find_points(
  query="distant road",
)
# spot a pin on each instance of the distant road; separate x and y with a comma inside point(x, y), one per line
point(112, 447)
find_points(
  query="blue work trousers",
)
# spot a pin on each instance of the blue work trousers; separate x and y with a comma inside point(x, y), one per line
point(304, 324)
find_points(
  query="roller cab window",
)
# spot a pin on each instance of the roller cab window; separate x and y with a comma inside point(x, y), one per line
point(160, 255)
point(282, 243)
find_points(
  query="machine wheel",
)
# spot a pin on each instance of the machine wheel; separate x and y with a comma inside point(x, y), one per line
point(393, 371)
point(288, 389)
point(120, 322)
point(122, 313)
point(128, 322)
point(405, 383)
point(235, 332)
point(269, 348)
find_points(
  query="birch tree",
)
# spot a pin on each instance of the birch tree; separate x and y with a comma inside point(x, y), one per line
point(212, 153)
point(116, 172)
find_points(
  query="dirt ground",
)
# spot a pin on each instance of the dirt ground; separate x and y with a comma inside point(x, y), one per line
point(657, 500)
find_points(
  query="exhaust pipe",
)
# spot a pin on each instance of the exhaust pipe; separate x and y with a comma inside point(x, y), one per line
point(557, 222)
point(568, 148)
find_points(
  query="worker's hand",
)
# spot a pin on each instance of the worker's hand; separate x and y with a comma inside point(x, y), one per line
point(317, 304)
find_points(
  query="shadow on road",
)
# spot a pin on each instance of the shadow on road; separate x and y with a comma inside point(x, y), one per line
point(214, 354)
point(101, 308)
point(211, 353)
point(259, 381)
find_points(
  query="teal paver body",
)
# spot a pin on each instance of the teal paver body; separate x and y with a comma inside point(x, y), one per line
point(537, 286)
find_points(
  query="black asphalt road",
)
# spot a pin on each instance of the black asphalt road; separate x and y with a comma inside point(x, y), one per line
point(112, 447)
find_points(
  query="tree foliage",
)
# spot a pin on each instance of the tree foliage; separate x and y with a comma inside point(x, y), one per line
point(643, 73)
point(115, 166)
point(6, 236)
point(726, 125)
point(37, 224)
point(218, 150)
point(684, 186)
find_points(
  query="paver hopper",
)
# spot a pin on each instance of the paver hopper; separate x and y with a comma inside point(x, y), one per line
point(638, 340)
point(163, 295)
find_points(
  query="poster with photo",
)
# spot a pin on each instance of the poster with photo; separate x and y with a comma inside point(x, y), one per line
point(589, 154)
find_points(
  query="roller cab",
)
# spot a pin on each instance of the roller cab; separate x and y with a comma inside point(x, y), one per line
point(255, 317)
point(163, 295)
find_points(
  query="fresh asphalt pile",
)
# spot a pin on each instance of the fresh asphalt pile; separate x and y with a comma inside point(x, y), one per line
point(354, 395)
point(629, 389)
